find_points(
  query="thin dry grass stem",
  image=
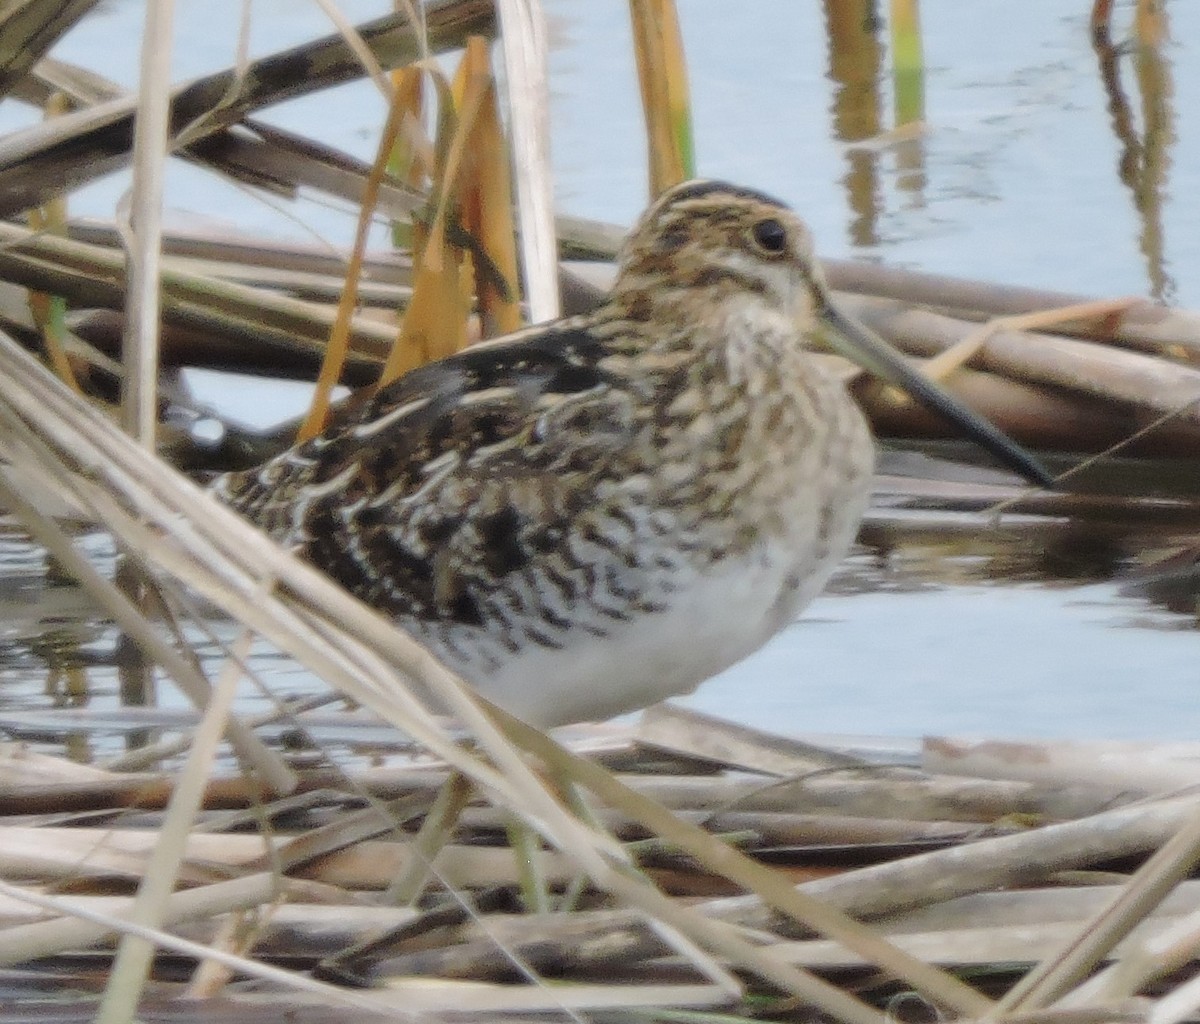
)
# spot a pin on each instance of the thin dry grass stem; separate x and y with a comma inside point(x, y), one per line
point(143, 232)
point(49, 311)
point(237, 934)
point(1165, 952)
point(360, 49)
point(434, 833)
point(135, 955)
point(531, 879)
point(79, 922)
point(662, 75)
point(1152, 882)
point(770, 886)
point(958, 355)
point(1189, 408)
point(524, 49)
point(339, 335)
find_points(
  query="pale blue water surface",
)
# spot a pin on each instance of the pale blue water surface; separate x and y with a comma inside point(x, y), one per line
point(1015, 178)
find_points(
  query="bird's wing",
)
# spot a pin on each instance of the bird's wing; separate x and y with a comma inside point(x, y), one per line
point(458, 474)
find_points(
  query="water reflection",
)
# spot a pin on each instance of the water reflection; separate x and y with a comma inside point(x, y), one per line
point(1143, 161)
point(1049, 552)
point(64, 658)
point(855, 65)
point(856, 55)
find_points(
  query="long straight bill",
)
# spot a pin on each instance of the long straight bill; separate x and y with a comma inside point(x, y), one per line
point(857, 342)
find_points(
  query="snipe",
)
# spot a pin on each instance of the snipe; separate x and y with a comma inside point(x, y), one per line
point(594, 514)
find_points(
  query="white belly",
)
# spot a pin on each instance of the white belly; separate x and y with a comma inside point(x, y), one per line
point(711, 617)
point(711, 623)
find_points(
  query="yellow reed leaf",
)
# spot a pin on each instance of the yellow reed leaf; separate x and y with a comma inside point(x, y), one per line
point(435, 323)
point(487, 214)
point(339, 334)
point(411, 159)
point(662, 75)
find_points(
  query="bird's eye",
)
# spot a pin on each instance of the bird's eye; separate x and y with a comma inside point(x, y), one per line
point(770, 236)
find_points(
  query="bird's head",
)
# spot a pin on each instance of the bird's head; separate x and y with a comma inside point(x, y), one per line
point(707, 241)
point(706, 246)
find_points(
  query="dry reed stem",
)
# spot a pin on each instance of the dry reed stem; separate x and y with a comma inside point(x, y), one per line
point(958, 355)
point(1152, 882)
point(77, 924)
point(135, 955)
point(29, 28)
point(338, 345)
point(662, 76)
point(1142, 961)
point(1085, 367)
point(1017, 859)
point(523, 45)
point(40, 162)
point(83, 921)
point(143, 231)
point(349, 858)
point(95, 274)
point(430, 839)
point(769, 886)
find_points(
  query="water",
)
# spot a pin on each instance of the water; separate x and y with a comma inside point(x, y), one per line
point(1021, 175)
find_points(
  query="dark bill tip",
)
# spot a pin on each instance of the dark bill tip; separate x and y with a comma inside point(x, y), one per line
point(857, 342)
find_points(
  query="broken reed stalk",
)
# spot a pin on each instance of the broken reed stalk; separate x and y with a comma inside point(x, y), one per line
point(41, 162)
point(1010, 860)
